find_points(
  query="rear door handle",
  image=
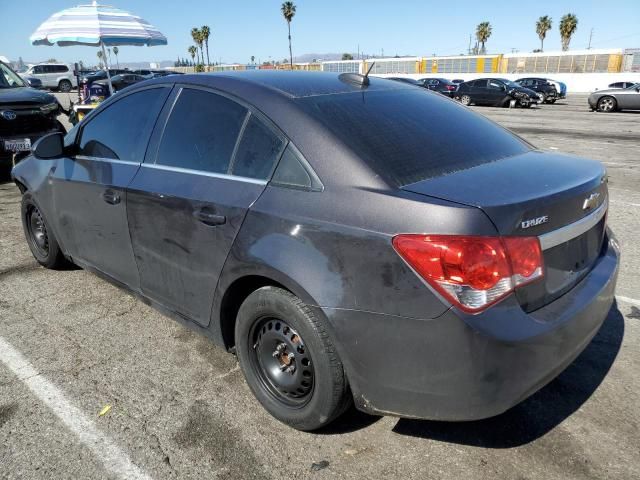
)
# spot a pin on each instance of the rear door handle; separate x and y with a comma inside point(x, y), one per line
point(210, 218)
point(111, 197)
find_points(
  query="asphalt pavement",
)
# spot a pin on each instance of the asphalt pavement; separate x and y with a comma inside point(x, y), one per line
point(96, 384)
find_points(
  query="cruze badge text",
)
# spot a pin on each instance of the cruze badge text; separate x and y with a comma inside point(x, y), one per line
point(535, 221)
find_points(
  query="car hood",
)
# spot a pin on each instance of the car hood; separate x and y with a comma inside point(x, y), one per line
point(24, 96)
point(528, 91)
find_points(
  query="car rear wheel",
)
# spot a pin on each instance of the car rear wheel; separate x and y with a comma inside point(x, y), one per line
point(41, 240)
point(465, 100)
point(607, 104)
point(64, 86)
point(289, 361)
point(543, 97)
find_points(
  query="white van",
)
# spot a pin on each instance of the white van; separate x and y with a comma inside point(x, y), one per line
point(53, 75)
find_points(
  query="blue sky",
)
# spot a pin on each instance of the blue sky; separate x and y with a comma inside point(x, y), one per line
point(242, 28)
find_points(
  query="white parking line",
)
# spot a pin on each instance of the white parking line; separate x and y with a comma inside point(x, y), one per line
point(114, 459)
point(631, 301)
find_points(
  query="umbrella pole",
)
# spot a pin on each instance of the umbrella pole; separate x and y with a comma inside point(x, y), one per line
point(104, 55)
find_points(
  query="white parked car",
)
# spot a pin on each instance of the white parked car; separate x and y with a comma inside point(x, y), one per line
point(53, 75)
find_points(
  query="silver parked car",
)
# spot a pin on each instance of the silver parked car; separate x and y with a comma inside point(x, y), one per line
point(616, 99)
point(53, 75)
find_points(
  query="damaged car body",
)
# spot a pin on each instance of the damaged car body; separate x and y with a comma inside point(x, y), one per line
point(332, 233)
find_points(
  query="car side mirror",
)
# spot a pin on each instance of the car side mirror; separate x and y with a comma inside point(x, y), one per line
point(49, 147)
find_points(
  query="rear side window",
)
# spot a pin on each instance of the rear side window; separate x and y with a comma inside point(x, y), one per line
point(409, 135)
point(201, 132)
point(121, 131)
point(258, 151)
point(293, 172)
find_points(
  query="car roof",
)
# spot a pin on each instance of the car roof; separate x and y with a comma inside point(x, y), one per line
point(296, 84)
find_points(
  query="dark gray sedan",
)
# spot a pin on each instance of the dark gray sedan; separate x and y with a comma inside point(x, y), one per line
point(616, 99)
point(338, 235)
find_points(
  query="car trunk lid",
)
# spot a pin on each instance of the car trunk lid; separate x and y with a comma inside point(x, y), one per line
point(560, 199)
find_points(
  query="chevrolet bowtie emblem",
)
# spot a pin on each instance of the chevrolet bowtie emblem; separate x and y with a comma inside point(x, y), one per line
point(591, 201)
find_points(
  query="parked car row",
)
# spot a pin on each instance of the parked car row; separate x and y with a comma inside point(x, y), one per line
point(501, 92)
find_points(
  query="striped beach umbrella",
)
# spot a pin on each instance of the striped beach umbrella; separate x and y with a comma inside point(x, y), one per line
point(96, 25)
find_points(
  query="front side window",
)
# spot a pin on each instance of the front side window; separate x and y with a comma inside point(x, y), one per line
point(121, 131)
point(495, 85)
point(201, 132)
point(258, 151)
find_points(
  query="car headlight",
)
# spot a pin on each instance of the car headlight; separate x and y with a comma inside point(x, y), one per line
point(49, 107)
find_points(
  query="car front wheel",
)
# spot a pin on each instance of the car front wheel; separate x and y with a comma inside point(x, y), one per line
point(607, 104)
point(289, 361)
point(41, 240)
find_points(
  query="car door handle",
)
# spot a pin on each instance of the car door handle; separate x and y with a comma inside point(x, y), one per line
point(210, 218)
point(111, 197)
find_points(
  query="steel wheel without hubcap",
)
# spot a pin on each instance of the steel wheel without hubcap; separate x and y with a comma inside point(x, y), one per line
point(37, 231)
point(606, 104)
point(281, 361)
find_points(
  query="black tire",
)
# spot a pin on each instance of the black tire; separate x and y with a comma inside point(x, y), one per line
point(64, 86)
point(553, 100)
point(607, 104)
point(41, 240)
point(465, 99)
point(542, 97)
point(289, 361)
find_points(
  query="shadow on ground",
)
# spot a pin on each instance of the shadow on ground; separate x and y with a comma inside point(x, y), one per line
point(541, 412)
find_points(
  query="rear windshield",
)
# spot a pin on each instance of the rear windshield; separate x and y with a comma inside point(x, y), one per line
point(410, 135)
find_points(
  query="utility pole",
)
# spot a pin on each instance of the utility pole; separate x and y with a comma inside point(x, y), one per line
point(590, 37)
point(469, 49)
point(358, 51)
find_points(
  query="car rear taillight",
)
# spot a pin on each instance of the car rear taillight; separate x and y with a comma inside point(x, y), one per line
point(451, 87)
point(472, 272)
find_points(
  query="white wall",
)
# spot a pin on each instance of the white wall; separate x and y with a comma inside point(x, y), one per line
point(576, 82)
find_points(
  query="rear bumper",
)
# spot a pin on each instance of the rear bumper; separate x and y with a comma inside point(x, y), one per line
point(463, 367)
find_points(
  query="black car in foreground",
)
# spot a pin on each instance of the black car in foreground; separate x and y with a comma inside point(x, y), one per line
point(333, 233)
point(440, 85)
point(497, 92)
point(545, 89)
point(26, 114)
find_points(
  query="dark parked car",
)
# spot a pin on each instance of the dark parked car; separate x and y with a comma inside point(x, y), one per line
point(622, 84)
point(616, 99)
point(457, 80)
point(545, 89)
point(122, 81)
point(101, 75)
point(497, 92)
point(440, 85)
point(332, 232)
point(26, 114)
point(33, 82)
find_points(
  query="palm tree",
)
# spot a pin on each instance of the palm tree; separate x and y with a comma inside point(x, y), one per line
point(192, 51)
point(206, 31)
point(288, 10)
point(109, 53)
point(115, 52)
point(543, 25)
point(99, 54)
point(253, 59)
point(568, 26)
point(195, 34)
point(483, 32)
